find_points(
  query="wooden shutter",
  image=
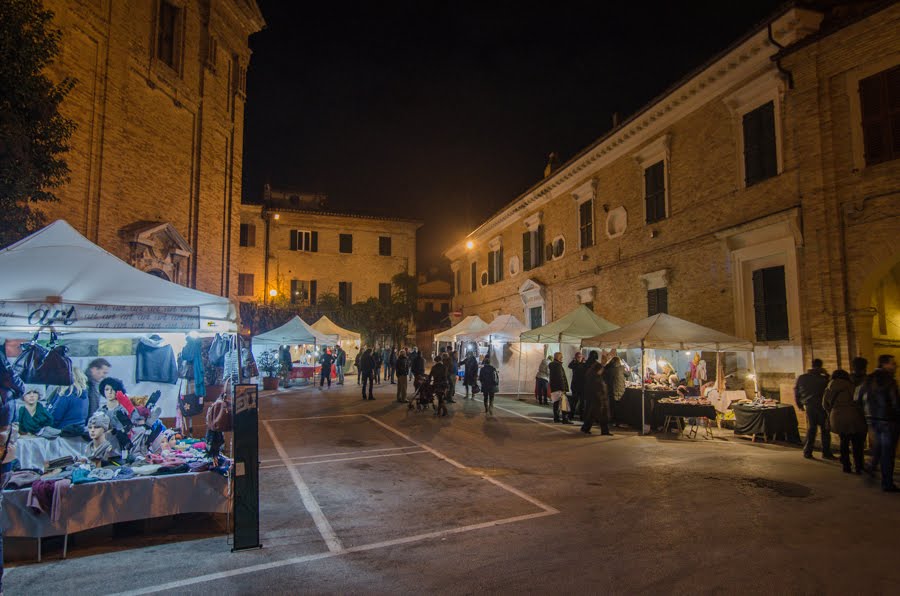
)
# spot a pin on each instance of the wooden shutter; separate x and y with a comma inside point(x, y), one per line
point(474, 284)
point(314, 242)
point(500, 264)
point(657, 301)
point(295, 287)
point(760, 153)
point(586, 223)
point(526, 251)
point(879, 99)
point(312, 291)
point(770, 304)
point(655, 192)
point(491, 267)
point(251, 235)
point(294, 240)
point(651, 303)
point(540, 245)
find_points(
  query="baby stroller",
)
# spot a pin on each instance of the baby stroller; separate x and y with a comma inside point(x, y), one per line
point(424, 395)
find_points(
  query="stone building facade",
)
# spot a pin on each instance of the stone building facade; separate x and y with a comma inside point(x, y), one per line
point(756, 196)
point(313, 252)
point(159, 106)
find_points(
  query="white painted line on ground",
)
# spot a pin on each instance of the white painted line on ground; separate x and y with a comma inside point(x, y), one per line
point(311, 417)
point(557, 427)
point(174, 585)
point(268, 461)
point(329, 461)
point(455, 463)
point(309, 501)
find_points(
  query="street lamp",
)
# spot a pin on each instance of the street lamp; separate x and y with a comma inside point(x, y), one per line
point(273, 292)
point(470, 245)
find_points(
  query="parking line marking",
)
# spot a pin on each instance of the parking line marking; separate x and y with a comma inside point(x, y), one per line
point(268, 461)
point(547, 508)
point(327, 555)
point(309, 501)
point(329, 461)
point(556, 427)
point(311, 417)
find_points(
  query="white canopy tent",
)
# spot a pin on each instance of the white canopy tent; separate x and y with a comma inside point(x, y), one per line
point(665, 332)
point(515, 362)
point(572, 328)
point(295, 331)
point(326, 326)
point(470, 324)
point(57, 279)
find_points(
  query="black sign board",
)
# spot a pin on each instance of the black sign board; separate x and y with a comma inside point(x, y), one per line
point(246, 467)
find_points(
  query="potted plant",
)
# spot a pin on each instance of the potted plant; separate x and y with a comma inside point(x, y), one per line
point(270, 365)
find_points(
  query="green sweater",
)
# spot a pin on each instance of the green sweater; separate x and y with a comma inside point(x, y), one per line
point(32, 424)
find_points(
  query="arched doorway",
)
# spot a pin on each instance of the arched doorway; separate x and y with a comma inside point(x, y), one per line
point(159, 273)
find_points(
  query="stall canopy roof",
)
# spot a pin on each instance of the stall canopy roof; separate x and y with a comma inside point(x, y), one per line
point(503, 328)
point(295, 331)
point(328, 327)
point(58, 267)
point(665, 332)
point(470, 324)
point(571, 328)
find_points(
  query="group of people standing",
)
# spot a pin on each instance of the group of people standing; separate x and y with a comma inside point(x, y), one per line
point(853, 405)
point(396, 364)
point(445, 373)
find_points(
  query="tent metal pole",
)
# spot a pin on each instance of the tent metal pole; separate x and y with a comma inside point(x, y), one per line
point(643, 390)
point(755, 377)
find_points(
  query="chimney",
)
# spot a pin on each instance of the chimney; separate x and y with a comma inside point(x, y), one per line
point(551, 164)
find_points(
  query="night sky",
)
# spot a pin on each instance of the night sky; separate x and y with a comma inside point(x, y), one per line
point(445, 111)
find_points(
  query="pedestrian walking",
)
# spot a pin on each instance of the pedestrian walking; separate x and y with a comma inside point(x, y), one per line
point(809, 391)
point(882, 405)
point(614, 376)
point(596, 398)
point(367, 372)
point(454, 372)
point(577, 365)
point(392, 364)
point(417, 364)
point(470, 374)
point(490, 384)
point(356, 365)
point(326, 360)
point(379, 360)
point(340, 361)
point(439, 383)
point(559, 387)
point(846, 418)
point(542, 382)
point(402, 369)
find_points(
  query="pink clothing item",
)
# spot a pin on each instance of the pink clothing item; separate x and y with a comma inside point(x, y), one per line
point(125, 402)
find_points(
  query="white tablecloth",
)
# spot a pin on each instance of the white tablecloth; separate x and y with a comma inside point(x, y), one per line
point(33, 451)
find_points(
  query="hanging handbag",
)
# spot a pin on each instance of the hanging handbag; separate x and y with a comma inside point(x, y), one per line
point(189, 403)
point(56, 369)
point(218, 414)
point(218, 350)
point(30, 360)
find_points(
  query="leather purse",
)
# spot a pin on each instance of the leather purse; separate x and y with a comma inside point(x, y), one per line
point(189, 403)
point(38, 365)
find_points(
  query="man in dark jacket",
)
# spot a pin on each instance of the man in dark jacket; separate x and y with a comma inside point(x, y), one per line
point(614, 377)
point(340, 361)
point(596, 401)
point(392, 365)
point(439, 371)
point(470, 376)
point(490, 383)
point(577, 365)
point(418, 363)
point(882, 404)
point(326, 360)
point(559, 386)
point(97, 370)
point(402, 369)
point(367, 372)
point(808, 391)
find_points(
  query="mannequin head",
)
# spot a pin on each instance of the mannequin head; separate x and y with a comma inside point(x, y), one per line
point(31, 397)
point(98, 425)
point(108, 388)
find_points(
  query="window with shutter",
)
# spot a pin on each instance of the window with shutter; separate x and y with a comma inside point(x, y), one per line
point(474, 276)
point(313, 287)
point(168, 34)
point(345, 292)
point(384, 246)
point(384, 293)
point(303, 291)
point(770, 304)
point(305, 241)
point(346, 243)
point(526, 251)
point(536, 316)
point(539, 246)
point(586, 223)
point(879, 99)
point(760, 152)
point(657, 301)
point(245, 284)
point(655, 192)
point(314, 242)
point(499, 265)
point(248, 235)
point(491, 264)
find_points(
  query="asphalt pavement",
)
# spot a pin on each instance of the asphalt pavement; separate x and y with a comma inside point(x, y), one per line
point(368, 497)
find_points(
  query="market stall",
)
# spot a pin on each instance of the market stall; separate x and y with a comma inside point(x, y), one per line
point(69, 306)
point(657, 376)
point(302, 342)
point(450, 337)
point(500, 341)
point(349, 341)
point(567, 332)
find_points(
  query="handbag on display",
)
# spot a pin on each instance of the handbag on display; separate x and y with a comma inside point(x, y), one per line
point(30, 360)
point(189, 403)
point(218, 414)
point(218, 350)
point(38, 365)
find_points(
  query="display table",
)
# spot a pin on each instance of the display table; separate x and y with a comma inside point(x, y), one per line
point(95, 504)
point(667, 412)
point(770, 422)
point(33, 451)
point(308, 371)
point(722, 401)
point(628, 409)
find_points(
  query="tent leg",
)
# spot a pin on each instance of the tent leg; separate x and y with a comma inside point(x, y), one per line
point(643, 392)
point(755, 377)
point(519, 373)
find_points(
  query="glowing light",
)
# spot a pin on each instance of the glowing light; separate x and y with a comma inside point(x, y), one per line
point(751, 376)
point(687, 353)
point(273, 293)
point(276, 217)
point(470, 245)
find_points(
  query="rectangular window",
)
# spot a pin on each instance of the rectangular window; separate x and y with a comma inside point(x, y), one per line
point(384, 293)
point(770, 304)
point(168, 34)
point(586, 223)
point(303, 291)
point(590, 306)
point(536, 316)
point(345, 292)
point(474, 276)
point(384, 246)
point(760, 157)
point(655, 192)
point(248, 235)
point(879, 100)
point(346, 243)
point(245, 284)
point(657, 301)
point(533, 248)
point(304, 240)
point(495, 265)
point(445, 308)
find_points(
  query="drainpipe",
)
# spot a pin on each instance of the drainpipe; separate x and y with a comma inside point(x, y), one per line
point(266, 219)
point(788, 75)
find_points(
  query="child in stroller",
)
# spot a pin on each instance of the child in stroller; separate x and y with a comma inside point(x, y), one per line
point(424, 395)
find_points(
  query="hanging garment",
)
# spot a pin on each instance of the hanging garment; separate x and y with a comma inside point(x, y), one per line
point(192, 362)
point(155, 361)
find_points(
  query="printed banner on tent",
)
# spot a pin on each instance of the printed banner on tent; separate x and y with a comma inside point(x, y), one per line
point(99, 316)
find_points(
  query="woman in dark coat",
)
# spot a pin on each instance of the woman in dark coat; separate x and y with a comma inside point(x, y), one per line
point(578, 365)
point(470, 379)
point(596, 399)
point(846, 417)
